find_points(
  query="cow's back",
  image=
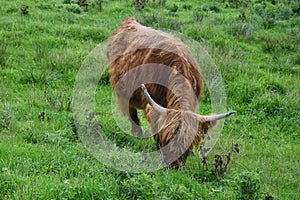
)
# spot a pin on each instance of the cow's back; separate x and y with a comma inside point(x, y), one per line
point(133, 45)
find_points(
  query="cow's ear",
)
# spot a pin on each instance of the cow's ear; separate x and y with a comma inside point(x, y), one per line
point(212, 124)
point(206, 126)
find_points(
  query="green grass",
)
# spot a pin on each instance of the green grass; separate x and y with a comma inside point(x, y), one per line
point(256, 49)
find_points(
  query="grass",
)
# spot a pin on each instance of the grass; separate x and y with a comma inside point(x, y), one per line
point(256, 50)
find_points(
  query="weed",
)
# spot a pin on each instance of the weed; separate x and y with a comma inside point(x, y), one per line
point(12, 10)
point(276, 88)
point(179, 191)
point(67, 1)
point(187, 6)
point(83, 3)
point(79, 33)
point(161, 3)
point(242, 30)
point(41, 116)
point(173, 8)
point(221, 162)
point(34, 138)
point(46, 6)
point(140, 4)
point(284, 11)
point(195, 32)
point(139, 187)
point(198, 15)
point(143, 186)
point(295, 8)
point(62, 62)
point(104, 80)
point(37, 77)
point(71, 134)
point(270, 105)
point(73, 8)
point(162, 22)
point(3, 55)
point(268, 196)
point(24, 10)
point(297, 57)
point(41, 52)
point(271, 13)
point(6, 118)
point(266, 12)
point(274, 43)
point(99, 3)
point(59, 100)
point(248, 185)
point(7, 184)
point(236, 3)
point(212, 6)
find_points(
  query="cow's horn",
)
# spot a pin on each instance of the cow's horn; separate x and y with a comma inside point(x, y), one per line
point(154, 105)
point(210, 118)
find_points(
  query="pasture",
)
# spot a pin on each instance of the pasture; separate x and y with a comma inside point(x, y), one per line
point(254, 43)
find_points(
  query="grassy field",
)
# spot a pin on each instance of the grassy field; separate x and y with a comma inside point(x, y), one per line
point(255, 44)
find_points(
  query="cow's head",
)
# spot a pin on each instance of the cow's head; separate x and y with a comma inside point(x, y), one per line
point(178, 131)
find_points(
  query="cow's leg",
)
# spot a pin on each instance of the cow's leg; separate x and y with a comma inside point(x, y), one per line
point(135, 122)
point(158, 145)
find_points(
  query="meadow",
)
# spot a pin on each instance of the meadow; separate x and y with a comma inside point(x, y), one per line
point(254, 43)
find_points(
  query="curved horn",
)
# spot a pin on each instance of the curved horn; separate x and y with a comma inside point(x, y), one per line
point(154, 105)
point(210, 118)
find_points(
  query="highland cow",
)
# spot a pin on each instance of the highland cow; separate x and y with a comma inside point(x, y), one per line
point(154, 71)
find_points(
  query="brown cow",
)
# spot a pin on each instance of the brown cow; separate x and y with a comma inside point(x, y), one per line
point(141, 55)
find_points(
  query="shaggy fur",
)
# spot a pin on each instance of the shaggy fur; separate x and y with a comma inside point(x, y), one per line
point(139, 54)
